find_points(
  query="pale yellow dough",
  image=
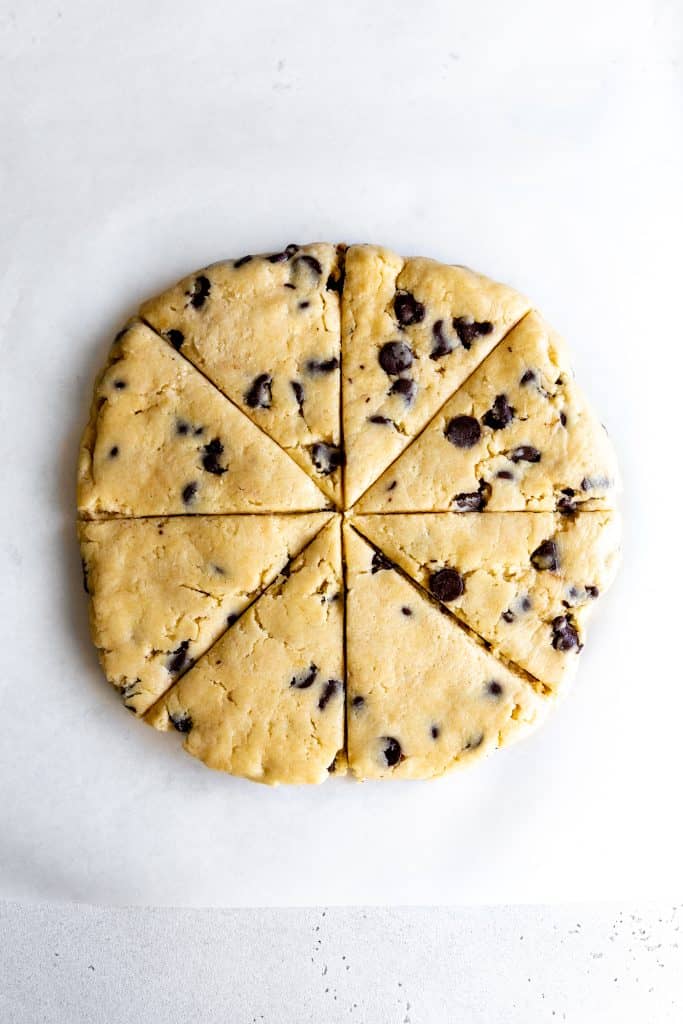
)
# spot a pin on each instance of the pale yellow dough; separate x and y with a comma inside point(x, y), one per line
point(163, 590)
point(241, 322)
point(552, 452)
point(423, 697)
point(520, 573)
point(267, 701)
point(448, 300)
point(162, 440)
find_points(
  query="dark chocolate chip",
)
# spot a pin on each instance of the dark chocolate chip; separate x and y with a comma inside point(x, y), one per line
point(526, 604)
point(469, 330)
point(305, 678)
point(435, 732)
point(566, 506)
point(198, 431)
point(321, 366)
point(200, 291)
point(304, 305)
point(335, 284)
point(299, 395)
point(84, 569)
point(441, 346)
point(182, 427)
point(588, 483)
point(332, 686)
point(282, 257)
point(527, 377)
point(181, 720)
point(446, 584)
point(179, 658)
point(242, 261)
point(259, 395)
point(212, 453)
point(407, 309)
point(565, 634)
point(475, 501)
point(358, 702)
point(391, 750)
point(310, 262)
point(120, 384)
point(392, 485)
point(546, 556)
point(288, 284)
point(508, 616)
point(327, 457)
point(383, 420)
point(463, 431)
point(524, 453)
point(592, 592)
point(113, 452)
point(189, 492)
point(406, 387)
point(395, 356)
point(380, 563)
point(563, 419)
point(232, 619)
point(505, 474)
point(494, 689)
point(176, 338)
point(500, 414)
point(406, 610)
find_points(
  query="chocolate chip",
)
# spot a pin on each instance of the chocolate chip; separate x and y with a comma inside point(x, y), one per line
point(282, 257)
point(384, 420)
point(84, 569)
point(198, 431)
point(232, 619)
point(200, 291)
point(566, 506)
point(588, 482)
point(407, 309)
point(406, 387)
point(524, 453)
point(176, 338)
point(500, 414)
point(181, 720)
point(446, 584)
point(463, 431)
point(508, 616)
point(406, 610)
point(113, 452)
point(120, 384)
point(332, 686)
point(242, 261)
point(505, 474)
point(475, 742)
point(179, 658)
point(380, 563)
point(494, 689)
point(441, 346)
point(299, 395)
point(335, 284)
point(391, 750)
point(304, 305)
point(327, 457)
point(321, 366)
point(468, 330)
point(475, 501)
point(305, 678)
point(358, 702)
point(392, 485)
point(546, 557)
point(563, 419)
point(212, 452)
point(310, 262)
point(526, 604)
point(435, 732)
point(527, 377)
point(592, 592)
point(189, 492)
point(182, 427)
point(259, 395)
point(565, 634)
point(395, 356)
point(288, 284)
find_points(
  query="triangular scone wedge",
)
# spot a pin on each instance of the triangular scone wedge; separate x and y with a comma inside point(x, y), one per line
point(163, 590)
point(527, 582)
point(518, 435)
point(162, 440)
point(423, 695)
point(267, 701)
point(265, 330)
point(412, 331)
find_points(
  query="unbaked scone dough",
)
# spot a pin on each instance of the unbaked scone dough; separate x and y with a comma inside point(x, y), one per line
point(265, 330)
point(267, 701)
point(527, 582)
point(517, 435)
point(162, 440)
point(412, 331)
point(423, 696)
point(163, 590)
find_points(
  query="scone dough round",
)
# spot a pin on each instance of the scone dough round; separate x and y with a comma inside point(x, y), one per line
point(342, 512)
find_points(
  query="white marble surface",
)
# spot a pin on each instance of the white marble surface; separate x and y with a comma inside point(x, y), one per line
point(514, 965)
point(540, 143)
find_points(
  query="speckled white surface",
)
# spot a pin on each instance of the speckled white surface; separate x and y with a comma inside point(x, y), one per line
point(514, 965)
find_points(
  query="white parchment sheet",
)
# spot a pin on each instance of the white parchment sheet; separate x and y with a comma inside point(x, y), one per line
point(541, 144)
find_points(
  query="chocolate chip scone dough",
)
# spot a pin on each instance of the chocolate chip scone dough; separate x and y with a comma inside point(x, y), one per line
point(423, 696)
point(527, 582)
point(267, 701)
point(163, 590)
point(412, 331)
point(265, 330)
point(162, 440)
point(518, 435)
